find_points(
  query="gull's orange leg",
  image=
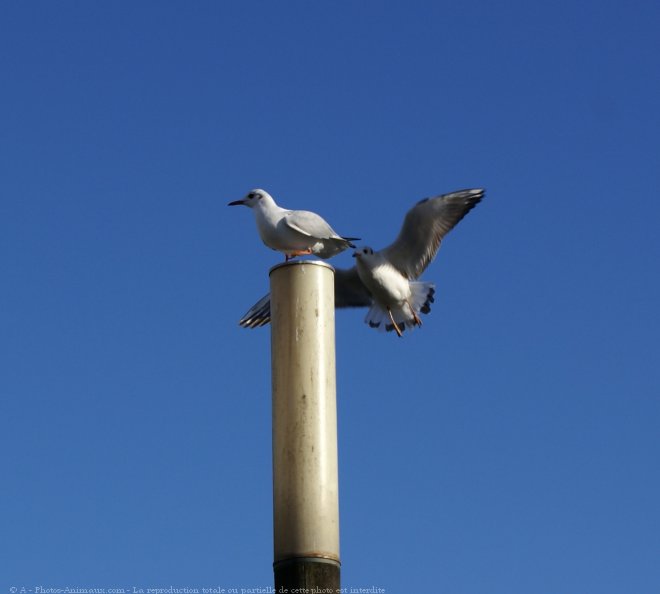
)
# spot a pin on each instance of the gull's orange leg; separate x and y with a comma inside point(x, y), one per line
point(292, 255)
point(396, 327)
point(416, 318)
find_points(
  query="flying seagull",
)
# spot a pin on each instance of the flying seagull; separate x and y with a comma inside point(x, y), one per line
point(293, 232)
point(385, 281)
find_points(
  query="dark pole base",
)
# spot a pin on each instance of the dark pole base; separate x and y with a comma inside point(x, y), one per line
point(307, 575)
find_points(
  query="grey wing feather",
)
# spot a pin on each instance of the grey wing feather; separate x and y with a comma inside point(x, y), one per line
point(349, 292)
point(309, 223)
point(258, 314)
point(425, 225)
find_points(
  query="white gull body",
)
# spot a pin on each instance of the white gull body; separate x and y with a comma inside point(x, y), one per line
point(397, 301)
point(293, 232)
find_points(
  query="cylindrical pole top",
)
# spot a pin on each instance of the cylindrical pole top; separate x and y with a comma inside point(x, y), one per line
point(304, 263)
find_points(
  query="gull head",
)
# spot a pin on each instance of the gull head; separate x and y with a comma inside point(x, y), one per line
point(363, 252)
point(252, 198)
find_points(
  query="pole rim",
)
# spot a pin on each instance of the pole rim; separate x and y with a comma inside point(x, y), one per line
point(301, 263)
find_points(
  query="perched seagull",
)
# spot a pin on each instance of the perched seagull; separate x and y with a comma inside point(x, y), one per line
point(385, 281)
point(293, 232)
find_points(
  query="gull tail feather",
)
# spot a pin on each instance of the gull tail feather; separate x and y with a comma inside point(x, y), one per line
point(350, 240)
point(335, 245)
point(421, 299)
point(423, 294)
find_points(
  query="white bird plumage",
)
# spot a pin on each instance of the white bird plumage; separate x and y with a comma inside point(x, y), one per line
point(293, 232)
point(397, 301)
point(385, 281)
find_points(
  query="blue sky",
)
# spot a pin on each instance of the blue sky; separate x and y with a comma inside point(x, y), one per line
point(509, 446)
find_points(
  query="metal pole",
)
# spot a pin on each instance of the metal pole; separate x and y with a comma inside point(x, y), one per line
point(305, 484)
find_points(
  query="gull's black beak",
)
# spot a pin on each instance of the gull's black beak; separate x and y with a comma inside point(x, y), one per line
point(236, 203)
point(354, 255)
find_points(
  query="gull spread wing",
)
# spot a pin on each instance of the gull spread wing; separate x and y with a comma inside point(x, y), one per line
point(258, 314)
point(349, 289)
point(424, 227)
point(349, 292)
